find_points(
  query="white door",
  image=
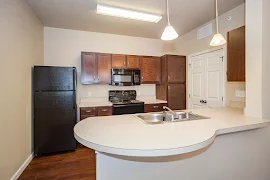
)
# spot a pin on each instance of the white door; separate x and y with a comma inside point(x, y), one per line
point(196, 67)
point(206, 80)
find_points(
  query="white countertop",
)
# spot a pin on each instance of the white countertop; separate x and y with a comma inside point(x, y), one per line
point(108, 103)
point(153, 101)
point(129, 136)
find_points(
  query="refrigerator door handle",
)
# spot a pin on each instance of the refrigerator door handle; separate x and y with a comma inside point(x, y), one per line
point(74, 78)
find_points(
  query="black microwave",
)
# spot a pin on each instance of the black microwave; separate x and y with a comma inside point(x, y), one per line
point(125, 77)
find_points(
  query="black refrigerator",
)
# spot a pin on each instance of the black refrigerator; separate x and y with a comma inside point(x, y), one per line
point(55, 109)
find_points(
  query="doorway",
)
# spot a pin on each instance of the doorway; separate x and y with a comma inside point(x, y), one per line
point(206, 79)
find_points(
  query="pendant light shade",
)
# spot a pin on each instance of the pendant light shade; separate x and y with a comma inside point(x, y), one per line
point(169, 33)
point(218, 39)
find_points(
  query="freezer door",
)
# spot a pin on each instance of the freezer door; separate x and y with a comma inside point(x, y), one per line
point(48, 78)
point(54, 120)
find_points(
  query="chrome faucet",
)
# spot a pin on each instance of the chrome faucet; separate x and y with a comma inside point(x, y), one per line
point(175, 116)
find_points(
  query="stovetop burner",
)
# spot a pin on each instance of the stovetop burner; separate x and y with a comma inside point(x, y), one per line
point(123, 97)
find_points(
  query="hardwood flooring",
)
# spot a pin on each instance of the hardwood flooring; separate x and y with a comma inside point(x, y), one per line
point(77, 165)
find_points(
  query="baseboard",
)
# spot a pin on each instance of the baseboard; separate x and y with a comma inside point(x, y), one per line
point(22, 168)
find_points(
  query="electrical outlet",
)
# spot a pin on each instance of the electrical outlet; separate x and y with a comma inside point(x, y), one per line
point(239, 93)
point(138, 93)
point(89, 94)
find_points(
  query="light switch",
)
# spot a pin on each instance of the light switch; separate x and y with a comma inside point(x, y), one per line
point(89, 94)
point(239, 93)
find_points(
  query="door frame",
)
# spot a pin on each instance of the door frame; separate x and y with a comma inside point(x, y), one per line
point(224, 49)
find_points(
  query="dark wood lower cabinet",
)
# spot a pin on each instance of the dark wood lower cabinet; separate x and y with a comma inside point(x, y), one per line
point(177, 96)
point(154, 107)
point(86, 112)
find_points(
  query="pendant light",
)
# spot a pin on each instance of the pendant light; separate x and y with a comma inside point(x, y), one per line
point(169, 33)
point(218, 39)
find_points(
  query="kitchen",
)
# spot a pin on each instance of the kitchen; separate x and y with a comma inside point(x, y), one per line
point(63, 47)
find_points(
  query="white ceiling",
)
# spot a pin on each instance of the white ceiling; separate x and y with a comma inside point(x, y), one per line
point(185, 15)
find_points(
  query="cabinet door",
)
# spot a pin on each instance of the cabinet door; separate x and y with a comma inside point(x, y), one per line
point(150, 70)
point(236, 55)
point(176, 69)
point(104, 111)
point(118, 61)
point(177, 96)
point(153, 107)
point(104, 68)
point(88, 66)
point(133, 61)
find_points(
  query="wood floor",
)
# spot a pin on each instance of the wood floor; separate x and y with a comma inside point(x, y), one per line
point(78, 165)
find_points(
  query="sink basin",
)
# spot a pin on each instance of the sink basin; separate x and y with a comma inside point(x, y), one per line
point(153, 118)
point(158, 118)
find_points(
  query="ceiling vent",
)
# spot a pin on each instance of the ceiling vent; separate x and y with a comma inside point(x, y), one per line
point(204, 31)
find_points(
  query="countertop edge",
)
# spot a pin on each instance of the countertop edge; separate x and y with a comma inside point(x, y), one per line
point(172, 151)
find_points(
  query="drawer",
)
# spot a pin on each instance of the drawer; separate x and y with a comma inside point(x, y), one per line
point(88, 111)
point(153, 107)
point(104, 111)
point(86, 116)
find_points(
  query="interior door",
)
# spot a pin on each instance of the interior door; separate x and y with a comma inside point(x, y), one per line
point(196, 80)
point(104, 68)
point(206, 80)
point(118, 61)
point(214, 79)
point(176, 69)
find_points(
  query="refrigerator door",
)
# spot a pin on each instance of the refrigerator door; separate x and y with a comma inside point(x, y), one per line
point(47, 78)
point(54, 120)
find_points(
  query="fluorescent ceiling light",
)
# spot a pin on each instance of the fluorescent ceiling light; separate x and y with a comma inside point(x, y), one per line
point(125, 13)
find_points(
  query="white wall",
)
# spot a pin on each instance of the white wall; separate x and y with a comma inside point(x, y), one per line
point(266, 59)
point(63, 47)
point(188, 44)
point(254, 58)
point(21, 48)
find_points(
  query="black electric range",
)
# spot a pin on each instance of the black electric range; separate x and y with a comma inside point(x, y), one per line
point(124, 102)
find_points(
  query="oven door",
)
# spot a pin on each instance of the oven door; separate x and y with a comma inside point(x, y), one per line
point(122, 77)
point(128, 109)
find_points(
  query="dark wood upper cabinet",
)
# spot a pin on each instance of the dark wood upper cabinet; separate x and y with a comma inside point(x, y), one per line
point(133, 61)
point(177, 96)
point(119, 61)
point(176, 69)
point(104, 65)
point(236, 55)
point(150, 70)
point(88, 68)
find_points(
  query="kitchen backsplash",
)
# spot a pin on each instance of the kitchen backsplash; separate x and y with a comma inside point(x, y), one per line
point(100, 92)
point(231, 99)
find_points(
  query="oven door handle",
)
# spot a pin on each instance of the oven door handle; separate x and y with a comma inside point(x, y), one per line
point(126, 105)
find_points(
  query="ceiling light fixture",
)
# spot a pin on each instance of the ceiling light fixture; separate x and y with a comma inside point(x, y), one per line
point(129, 14)
point(218, 39)
point(169, 33)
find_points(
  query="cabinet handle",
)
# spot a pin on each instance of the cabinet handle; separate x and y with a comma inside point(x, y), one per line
point(98, 78)
point(142, 77)
point(169, 77)
point(127, 62)
point(94, 78)
point(155, 107)
point(124, 63)
point(89, 111)
point(104, 110)
point(169, 87)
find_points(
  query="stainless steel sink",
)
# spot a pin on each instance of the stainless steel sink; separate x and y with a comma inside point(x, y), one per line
point(179, 116)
